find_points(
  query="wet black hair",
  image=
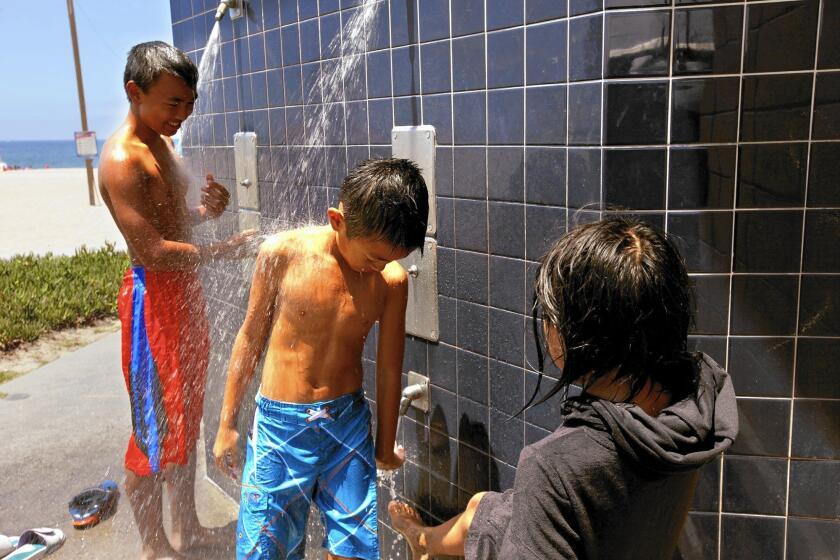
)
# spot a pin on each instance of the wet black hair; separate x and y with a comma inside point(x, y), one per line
point(147, 61)
point(618, 293)
point(386, 199)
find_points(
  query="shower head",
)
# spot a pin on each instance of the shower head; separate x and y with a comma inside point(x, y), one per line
point(224, 5)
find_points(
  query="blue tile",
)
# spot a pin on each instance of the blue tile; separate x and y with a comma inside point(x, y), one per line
point(434, 19)
point(357, 121)
point(546, 119)
point(505, 13)
point(334, 127)
point(379, 36)
point(507, 229)
point(254, 16)
point(545, 225)
point(328, 6)
point(271, 14)
point(407, 111)
point(505, 58)
point(505, 174)
point(470, 173)
point(470, 231)
point(294, 126)
point(330, 36)
point(379, 74)
point(406, 70)
point(288, 11)
point(231, 93)
point(310, 74)
point(635, 113)
point(259, 91)
point(444, 171)
point(435, 67)
point(584, 178)
point(226, 30)
point(294, 85)
point(585, 114)
point(507, 336)
point(546, 53)
point(578, 7)
point(354, 77)
point(446, 223)
point(469, 115)
point(541, 10)
point(219, 130)
point(468, 63)
point(261, 127)
point(291, 45)
point(471, 280)
point(228, 54)
point(437, 111)
point(507, 284)
point(273, 49)
point(381, 120)
point(246, 96)
point(243, 58)
point(403, 22)
point(331, 91)
point(472, 336)
point(309, 41)
point(217, 97)
point(336, 164)
point(585, 48)
point(307, 9)
point(546, 176)
point(634, 179)
point(467, 17)
point(637, 43)
point(442, 366)
point(277, 126)
point(505, 111)
point(182, 35)
point(447, 274)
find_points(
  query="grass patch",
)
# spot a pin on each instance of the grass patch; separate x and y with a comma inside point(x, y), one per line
point(39, 294)
point(8, 376)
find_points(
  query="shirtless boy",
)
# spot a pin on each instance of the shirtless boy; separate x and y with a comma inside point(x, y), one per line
point(316, 293)
point(161, 308)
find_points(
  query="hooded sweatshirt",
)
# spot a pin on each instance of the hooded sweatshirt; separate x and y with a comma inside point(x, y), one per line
point(611, 482)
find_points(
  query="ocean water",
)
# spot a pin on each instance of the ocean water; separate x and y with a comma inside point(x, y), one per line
point(43, 153)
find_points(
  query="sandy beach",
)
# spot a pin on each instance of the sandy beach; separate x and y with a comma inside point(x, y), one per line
point(45, 210)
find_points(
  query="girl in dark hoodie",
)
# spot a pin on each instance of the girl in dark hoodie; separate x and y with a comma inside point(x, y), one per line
point(617, 478)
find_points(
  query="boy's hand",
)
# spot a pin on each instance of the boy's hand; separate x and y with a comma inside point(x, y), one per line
point(392, 460)
point(214, 198)
point(226, 452)
point(238, 246)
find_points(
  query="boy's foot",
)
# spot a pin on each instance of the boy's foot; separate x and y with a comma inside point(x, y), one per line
point(407, 522)
point(160, 552)
point(204, 537)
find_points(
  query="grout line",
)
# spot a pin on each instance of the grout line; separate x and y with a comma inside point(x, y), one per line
point(668, 114)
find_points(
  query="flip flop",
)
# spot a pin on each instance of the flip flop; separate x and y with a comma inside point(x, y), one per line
point(94, 504)
point(36, 543)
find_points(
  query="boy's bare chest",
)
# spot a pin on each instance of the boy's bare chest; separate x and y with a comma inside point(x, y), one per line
point(321, 297)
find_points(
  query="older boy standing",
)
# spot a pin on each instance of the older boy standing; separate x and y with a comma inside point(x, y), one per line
point(161, 307)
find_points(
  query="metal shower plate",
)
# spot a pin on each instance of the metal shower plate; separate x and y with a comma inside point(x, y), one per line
point(421, 316)
point(245, 162)
point(417, 143)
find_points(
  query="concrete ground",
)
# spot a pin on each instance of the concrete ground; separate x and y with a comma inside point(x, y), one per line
point(47, 210)
point(63, 428)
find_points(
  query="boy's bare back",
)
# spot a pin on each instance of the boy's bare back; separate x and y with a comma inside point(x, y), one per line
point(318, 312)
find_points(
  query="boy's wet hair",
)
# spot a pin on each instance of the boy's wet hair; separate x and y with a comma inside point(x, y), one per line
point(147, 61)
point(618, 294)
point(386, 199)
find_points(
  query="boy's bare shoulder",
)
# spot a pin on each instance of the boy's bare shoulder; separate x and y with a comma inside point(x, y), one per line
point(285, 245)
point(123, 159)
point(395, 275)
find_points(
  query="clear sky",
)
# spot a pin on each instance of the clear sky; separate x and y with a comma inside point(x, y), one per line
point(38, 99)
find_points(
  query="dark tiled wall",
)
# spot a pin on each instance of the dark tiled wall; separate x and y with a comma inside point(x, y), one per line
point(719, 121)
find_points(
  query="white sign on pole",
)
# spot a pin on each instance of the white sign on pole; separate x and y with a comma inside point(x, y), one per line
point(86, 144)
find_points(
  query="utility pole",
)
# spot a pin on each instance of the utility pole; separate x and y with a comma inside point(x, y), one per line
point(88, 162)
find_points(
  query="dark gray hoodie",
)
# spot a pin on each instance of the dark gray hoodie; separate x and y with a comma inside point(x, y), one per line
point(611, 482)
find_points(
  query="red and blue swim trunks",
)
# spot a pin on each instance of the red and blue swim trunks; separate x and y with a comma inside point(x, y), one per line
point(165, 349)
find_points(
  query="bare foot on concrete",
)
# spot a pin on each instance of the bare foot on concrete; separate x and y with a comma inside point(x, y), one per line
point(205, 537)
point(161, 551)
point(407, 522)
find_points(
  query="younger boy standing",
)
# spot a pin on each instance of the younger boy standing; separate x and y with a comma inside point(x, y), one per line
point(315, 295)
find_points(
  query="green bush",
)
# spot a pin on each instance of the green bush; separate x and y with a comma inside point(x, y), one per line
point(43, 293)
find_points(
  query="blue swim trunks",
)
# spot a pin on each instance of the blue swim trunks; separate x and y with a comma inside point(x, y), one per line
point(298, 454)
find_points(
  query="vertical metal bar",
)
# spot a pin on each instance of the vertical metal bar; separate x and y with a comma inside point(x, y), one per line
point(80, 86)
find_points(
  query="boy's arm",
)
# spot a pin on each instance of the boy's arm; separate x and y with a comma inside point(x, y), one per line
point(249, 346)
point(389, 359)
point(127, 184)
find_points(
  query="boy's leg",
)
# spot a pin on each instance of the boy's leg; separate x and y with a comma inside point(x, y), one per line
point(424, 541)
point(145, 493)
point(187, 532)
